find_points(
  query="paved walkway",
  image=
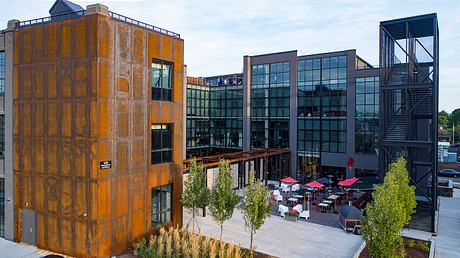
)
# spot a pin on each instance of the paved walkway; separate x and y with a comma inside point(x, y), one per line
point(448, 239)
point(282, 238)
point(9, 249)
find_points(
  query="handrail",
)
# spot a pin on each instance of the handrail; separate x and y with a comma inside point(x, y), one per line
point(143, 25)
point(57, 17)
point(113, 15)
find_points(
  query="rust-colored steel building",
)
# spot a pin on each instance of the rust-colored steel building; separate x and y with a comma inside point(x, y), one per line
point(97, 130)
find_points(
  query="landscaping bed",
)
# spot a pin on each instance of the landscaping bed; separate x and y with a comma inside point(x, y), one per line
point(414, 248)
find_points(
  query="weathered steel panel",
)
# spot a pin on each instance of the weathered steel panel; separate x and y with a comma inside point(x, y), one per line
point(82, 95)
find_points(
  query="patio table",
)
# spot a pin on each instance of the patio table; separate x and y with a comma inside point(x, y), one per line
point(327, 201)
point(333, 197)
point(297, 196)
point(323, 207)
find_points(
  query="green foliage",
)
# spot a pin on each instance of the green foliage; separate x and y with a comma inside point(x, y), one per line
point(256, 206)
point(443, 119)
point(196, 192)
point(423, 246)
point(291, 214)
point(454, 117)
point(411, 243)
point(144, 249)
point(406, 192)
point(223, 197)
point(392, 206)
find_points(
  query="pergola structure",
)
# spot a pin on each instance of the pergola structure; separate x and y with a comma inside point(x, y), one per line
point(267, 164)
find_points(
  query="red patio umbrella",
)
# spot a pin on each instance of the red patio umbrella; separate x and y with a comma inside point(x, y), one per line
point(289, 180)
point(348, 182)
point(314, 184)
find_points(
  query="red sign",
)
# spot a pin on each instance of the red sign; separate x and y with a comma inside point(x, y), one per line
point(350, 162)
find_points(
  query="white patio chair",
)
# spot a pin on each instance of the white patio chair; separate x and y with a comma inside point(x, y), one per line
point(282, 209)
point(276, 193)
point(285, 189)
point(279, 198)
point(298, 208)
point(295, 187)
point(304, 214)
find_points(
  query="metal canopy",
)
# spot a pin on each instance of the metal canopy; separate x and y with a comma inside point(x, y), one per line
point(420, 26)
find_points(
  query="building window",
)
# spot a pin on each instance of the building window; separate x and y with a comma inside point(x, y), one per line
point(161, 205)
point(270, 94)
point(2, 139)
point(2, 207)
point(162, 80)
point(161, 143)
point(367, 115)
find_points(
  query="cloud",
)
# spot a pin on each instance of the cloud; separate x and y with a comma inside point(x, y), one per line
point(218, 34)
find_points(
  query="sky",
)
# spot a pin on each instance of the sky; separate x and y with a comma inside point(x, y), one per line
point(217, 34)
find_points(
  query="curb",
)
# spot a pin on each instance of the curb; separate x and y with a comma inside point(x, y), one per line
point(361, 248)
point(432, 248)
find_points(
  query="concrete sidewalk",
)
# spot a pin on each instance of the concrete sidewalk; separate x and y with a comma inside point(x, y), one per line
point(448, 239)
point(9, 249)
point(282, 238)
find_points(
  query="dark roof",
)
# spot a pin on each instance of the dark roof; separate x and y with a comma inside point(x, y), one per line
point(64, 6)
point(420, 26)
point(350, 212)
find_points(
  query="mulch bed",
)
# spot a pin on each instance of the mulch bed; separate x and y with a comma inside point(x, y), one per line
point(410, 252)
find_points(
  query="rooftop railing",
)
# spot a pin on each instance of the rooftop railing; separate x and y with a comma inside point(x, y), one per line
point(123, 18)
point(58, 17)
point(116, 16)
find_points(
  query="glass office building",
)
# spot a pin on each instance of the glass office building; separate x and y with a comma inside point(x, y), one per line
point(214, 122)
point(307, 104)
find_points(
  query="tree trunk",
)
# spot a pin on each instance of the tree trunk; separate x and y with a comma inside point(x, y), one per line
point(250, 243)
point(221, 230)
point(204, 212)
point(193, 219)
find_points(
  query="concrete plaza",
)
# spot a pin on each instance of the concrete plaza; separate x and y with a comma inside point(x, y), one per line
point(10, 249)
point(282, 238)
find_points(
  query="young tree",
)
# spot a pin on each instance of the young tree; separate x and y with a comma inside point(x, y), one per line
point(406, 192)
point(256, 206)
point(223, 197)
point(196, 192)
point(388, 213)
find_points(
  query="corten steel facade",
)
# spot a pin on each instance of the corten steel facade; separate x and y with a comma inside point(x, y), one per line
point(409, 72)
point(83, 95)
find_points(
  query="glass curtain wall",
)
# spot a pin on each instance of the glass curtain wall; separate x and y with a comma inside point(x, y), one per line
point(322, 105)
point(197, 127)
point(367, 115)
point(270, 105)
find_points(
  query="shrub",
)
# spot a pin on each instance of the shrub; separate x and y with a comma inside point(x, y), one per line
point(411, 243)
point(423, 246)
point(291, 214)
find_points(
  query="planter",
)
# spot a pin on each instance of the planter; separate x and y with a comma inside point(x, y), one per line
point(291, 216)
point(413, 248)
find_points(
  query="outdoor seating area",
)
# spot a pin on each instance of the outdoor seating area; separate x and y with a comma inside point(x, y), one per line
point(314, 202)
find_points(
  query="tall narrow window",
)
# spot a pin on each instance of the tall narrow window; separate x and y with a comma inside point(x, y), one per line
point(161, 205)
point(162, 80)
point(161, 143)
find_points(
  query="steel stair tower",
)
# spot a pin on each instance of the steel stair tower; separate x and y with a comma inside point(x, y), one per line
point(409, 74)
